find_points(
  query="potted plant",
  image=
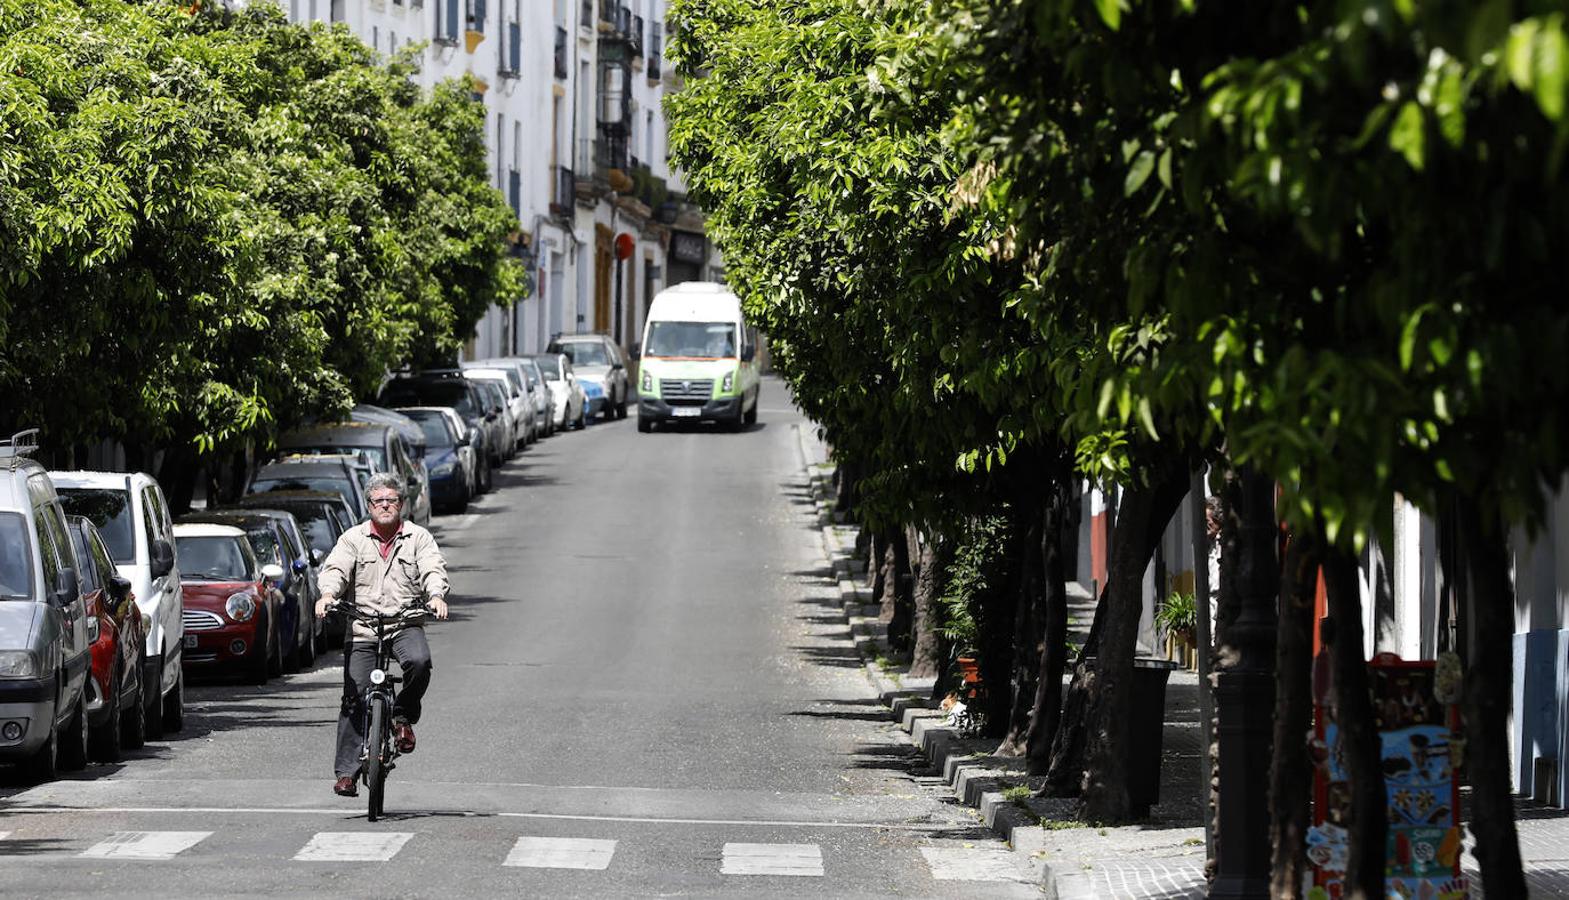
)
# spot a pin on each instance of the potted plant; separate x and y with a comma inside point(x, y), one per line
point(1177, 616)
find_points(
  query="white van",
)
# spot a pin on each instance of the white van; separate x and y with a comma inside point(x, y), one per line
point(697, 359)
point(133, 519)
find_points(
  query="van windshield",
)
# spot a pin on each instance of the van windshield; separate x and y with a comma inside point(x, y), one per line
point(700, 340)
point(16, 559)
point(109, 509)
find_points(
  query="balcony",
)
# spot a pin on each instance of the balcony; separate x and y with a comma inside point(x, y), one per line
point(565, 192)
point(563, 64)
point(635, 37)
point(615, 18)
point(656, 50)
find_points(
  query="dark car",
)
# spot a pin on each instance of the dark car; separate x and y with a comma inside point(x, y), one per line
point(272, 543)
point(232, 603)
point(449, 477)
point(115, 701)
point(323, 517)
point(448, 388)
point(383, 445)
point(305, 475)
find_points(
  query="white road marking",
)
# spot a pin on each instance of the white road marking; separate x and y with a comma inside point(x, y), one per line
point(561, 853)
point(772, 859)
point(4, 835)
point(145, 844)
point(353, 846)
point(973, 864)
point(318, 811)
point(461, 522)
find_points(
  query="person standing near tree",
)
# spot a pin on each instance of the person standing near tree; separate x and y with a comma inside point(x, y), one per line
point(394, 566)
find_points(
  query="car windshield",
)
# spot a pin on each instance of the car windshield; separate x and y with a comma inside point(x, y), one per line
point(265, 545)
point(110, 511)
point(211, 558)
point(434, 424)
point(297, 483)
point(586, 353)
point(316, 522)
point(16, 558)
point(376, 455)
point(453, 393)
point(703, 340)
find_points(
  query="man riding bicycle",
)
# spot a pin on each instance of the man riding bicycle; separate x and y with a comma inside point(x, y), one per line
point(392, 565)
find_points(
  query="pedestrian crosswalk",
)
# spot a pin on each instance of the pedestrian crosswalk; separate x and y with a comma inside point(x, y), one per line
point(787, 860)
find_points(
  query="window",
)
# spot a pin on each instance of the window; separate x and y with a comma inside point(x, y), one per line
point(476, 15)
point(16, 559)
point(447, 20)
point(375, 38)
point(110, 512)
point(149, 521)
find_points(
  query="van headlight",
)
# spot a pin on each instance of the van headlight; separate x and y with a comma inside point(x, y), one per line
point(728, 384)
point(18, 664)
point(647, 384)
point(240, 607)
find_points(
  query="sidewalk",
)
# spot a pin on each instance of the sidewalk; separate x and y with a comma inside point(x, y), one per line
point(1159, 858)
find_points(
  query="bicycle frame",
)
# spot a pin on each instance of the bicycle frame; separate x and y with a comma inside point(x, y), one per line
point(379, 750)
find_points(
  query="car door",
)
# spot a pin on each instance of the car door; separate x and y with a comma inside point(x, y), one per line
point(155, 517)
point(57, 555)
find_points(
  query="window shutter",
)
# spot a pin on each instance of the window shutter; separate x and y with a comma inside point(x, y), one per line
point(452, 19)
point(479, 15)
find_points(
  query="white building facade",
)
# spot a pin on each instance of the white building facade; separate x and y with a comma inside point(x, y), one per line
point(576, 134)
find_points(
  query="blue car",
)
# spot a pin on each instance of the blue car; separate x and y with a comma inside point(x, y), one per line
point(449, 457)
point(594, 398)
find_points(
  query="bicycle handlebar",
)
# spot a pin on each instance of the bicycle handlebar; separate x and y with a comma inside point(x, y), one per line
point(350, 611)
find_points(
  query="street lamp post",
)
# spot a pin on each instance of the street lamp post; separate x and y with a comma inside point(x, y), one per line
point(1245, 697)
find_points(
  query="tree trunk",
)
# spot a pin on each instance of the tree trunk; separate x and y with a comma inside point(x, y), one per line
point(1489, 624)
point(1029, 624)
point(178, 476)
point(845, 476)
point(1291, 772)
point(926, 656)
point(878, 567)
point(1047, 710)
point(1367, 820)
point(1141, 518)
point(901, 625)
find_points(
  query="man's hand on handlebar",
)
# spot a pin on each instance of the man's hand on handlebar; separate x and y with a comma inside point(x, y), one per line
point(324, 606)
point(438, 605)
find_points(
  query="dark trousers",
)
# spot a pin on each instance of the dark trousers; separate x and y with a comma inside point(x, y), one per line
point(413, 656)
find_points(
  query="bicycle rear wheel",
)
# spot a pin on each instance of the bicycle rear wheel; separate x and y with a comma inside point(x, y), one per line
point(375, 769)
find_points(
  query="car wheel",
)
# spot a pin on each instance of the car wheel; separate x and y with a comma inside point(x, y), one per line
point(153, 694)
point(275, 649)
point(621, 407)
point(750, 418)
point(44, 764)
point(644, 426)
point(107, 739)
point(73, 743)
point(133, 725)
point(174, 705)
point(260, 663)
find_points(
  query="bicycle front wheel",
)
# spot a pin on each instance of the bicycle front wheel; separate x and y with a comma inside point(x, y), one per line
point(375, 767)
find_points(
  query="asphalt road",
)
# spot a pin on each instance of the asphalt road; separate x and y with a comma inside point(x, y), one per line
point(644, 690)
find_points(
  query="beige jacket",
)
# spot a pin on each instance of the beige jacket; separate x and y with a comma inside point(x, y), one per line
point(414, 569)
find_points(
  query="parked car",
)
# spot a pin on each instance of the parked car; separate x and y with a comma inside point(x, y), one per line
point(520, 408)
point(276, 541)
point(446, 388)
point(323, 517)
point(544, 400)
point(568, 394)
point(232, 603)
point(116, 710)
point(380, 415)
point(313, 475)
point(498, 423)
point(383, 445)
point(524, 374)
point(597, 360)
point(44, 649)
point(132, 517)
point(449, 455)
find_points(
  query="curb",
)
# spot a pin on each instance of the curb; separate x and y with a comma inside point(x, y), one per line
point(908, 700)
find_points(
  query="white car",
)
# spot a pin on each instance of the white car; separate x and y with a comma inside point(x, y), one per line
point(133, 519)
point(519, 408)
point(532, 382)
point(569, 397)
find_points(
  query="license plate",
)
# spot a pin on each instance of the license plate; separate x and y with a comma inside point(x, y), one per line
point(686, 412)
point(190, 642)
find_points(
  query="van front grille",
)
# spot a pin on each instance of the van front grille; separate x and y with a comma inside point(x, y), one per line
point(686, 392)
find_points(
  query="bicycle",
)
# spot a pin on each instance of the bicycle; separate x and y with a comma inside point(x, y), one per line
point(380, 750)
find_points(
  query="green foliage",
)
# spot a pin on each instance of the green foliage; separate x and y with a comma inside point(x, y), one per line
point(980, 544)
point(1177, 614)
point(213, 223)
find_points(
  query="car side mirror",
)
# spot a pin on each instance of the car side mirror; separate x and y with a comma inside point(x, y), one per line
point(299, 566)
point(119, 587)
point(161, 559)
point(272, 572)
point(636, 352)
point(66, 587)
point(748, 353)
point(464, 441)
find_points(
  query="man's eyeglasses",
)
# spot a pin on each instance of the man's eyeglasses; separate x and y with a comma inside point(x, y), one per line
point(385, 501)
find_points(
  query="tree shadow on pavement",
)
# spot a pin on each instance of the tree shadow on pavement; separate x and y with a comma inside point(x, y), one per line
point(838, 657)
point(33, 846)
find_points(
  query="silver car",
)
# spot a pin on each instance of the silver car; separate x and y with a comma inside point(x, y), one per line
point(44, 648)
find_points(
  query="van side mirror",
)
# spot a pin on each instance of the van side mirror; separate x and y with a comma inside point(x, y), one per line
point(748, 353)
point(66, 587)
point(637, 351)
point(161, 559)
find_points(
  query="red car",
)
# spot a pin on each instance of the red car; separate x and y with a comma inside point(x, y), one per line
point(232, 604)
point(118, 640)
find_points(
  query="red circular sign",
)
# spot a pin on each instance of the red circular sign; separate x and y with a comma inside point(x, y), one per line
point(625, 245)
